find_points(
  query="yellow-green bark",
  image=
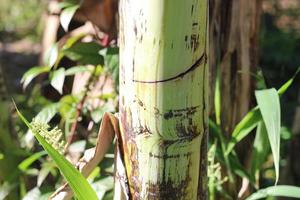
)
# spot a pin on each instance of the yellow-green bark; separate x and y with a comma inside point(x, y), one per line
point(163, 95)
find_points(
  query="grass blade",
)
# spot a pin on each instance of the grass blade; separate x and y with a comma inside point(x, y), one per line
point(268, 103)
point(286, 86)
point(79, 185)
point(244, 127)
point(217, 99)
point(261, 149)
point(252, 118)
point(24, 165)
point(279, 191)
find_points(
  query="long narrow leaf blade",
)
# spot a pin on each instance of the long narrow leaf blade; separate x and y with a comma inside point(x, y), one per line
point(252, 118)
point(24, 165)
point(286, 86)
point(261, 149)
point(278, 191)
point(76, 180)
point(217, 99)
point(244, 127)
point(268, 103)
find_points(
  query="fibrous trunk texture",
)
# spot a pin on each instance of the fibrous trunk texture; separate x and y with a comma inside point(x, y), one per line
point(163, 96)
point(234, 28)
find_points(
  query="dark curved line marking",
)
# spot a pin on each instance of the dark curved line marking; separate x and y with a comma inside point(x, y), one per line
point(198, 62)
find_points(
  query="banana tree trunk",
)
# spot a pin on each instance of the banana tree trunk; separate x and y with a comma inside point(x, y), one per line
point(163, 96)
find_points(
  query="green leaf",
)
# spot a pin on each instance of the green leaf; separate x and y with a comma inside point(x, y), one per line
point(261, 149)
point(103, 185)
point(217, 99)
point(32, 73)
point(67, 15)
point(67, 108)
point(73, 40)
point(47, 113)
point(77, 69)
point(98, 113)
point(33, 194)
point(57, 80)
point(51, 55)
point(111, 61)
point(278, 191)
point(25, 164)
point(85, 53)
point(244, 127)
point(78, 146)
point(252, 118)
point(286, 86)
point(268, 103)
point(79, 185)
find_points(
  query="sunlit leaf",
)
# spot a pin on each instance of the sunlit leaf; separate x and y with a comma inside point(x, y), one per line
point(67, 15)
point(103, 185)
point(268, 103)
point(32, 73)
point(57, 80)
point(47, 113)
point(72, 40)
point(78, 146)
point(77, 69)
point(277, 191)
point(51, 55)
point(33, 194)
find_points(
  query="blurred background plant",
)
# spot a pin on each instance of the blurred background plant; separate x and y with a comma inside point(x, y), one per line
point(70, 80)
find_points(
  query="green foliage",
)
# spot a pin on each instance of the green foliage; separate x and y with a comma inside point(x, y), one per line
point(261, 149)
point(57, 80)
point(266, 119)
point(277, 191)
point(95, 60)
point(268, 103)
point(17, 19)
point(67, 14)
point(32, 73)
point(85, 53)
point(25, 164)
point(77, 182)
point(92, 60)
point(244, 127)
